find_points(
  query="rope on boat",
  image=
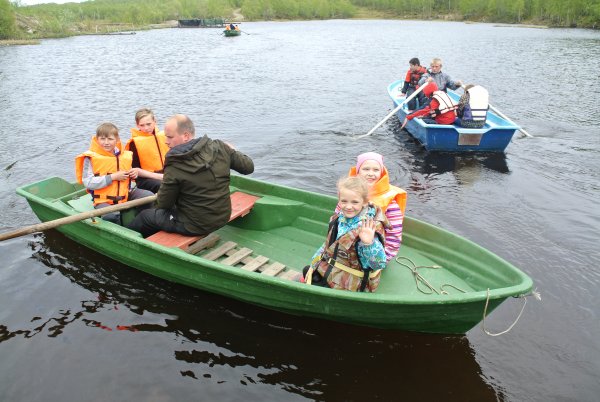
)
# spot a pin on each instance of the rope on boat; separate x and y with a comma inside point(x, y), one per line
point(533, 293)
point(420, 279)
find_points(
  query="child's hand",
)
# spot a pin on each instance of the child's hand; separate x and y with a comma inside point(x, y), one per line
point(119, 176)
point(404, 123)
point(134, 173)
point(367, 231)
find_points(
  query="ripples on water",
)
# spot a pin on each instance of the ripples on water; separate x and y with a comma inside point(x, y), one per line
point(292, 95)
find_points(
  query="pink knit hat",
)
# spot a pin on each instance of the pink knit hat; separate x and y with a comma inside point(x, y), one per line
point(368, 156)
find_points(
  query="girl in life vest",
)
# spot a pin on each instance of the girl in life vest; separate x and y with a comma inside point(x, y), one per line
point(441, 109)
point(105, 171)
point(391, 199)
point(352, 256)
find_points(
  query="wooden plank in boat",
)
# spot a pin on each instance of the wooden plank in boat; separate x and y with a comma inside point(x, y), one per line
point(173, 239)
point(208, 242)
point(220, 251)
point(289, 275)
point(237, 257)
point(245, 260)
point(273, 269)
point(255, 263)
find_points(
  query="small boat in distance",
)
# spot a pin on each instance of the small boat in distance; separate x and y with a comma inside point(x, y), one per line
point(493, 137)
point(232, 30)
point(439, 283)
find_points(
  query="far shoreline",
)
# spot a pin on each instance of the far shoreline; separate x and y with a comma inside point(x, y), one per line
point(174, 24)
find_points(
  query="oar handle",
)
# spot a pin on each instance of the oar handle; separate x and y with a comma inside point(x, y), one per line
point(40, 227)
point(395, 110)
point(499, 113)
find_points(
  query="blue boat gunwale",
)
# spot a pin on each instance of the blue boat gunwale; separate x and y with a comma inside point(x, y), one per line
point(522, 282)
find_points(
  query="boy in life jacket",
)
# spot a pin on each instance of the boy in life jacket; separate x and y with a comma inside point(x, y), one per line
point(353, 255)
point(473, 106)
point(411, 83)
point(440, 110)
point(148, 147)
point(105, 171)
point(391, 199)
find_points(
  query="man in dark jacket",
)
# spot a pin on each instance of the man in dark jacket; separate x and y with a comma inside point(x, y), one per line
point(193, 198)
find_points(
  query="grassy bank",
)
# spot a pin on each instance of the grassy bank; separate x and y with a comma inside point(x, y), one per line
point(26, 23)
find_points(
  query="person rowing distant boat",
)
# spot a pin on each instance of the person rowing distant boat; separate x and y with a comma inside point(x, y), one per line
point(440, 109)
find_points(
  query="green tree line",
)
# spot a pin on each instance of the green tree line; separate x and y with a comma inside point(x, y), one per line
point(7, 20)
point(569, 13)
point(48, 20)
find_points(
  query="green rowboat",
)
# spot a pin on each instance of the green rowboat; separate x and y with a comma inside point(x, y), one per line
point(231, 32)
point(256, 256)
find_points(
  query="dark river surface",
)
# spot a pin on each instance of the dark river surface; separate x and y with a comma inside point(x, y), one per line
point(292, 95)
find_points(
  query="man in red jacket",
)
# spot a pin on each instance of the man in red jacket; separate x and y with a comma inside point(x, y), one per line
point(441, 109)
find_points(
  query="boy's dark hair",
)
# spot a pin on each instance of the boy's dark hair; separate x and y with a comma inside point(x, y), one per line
point(414, 61)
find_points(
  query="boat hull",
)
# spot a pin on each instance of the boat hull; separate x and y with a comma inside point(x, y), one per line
point(231, 32)
point(297, 220)
point(493, 137)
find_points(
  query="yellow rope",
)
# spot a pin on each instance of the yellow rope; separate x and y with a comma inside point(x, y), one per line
point(533, 293)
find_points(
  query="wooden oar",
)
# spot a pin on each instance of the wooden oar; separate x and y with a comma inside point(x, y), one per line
point(499, 113)
point(393, 112)
point(40, 227)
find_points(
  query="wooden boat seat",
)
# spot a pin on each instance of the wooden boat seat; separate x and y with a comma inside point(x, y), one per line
point(241, 204)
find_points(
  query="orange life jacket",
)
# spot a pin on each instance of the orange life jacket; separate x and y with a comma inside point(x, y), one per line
point(105, 163)
point(382, 192)
point(151, 149)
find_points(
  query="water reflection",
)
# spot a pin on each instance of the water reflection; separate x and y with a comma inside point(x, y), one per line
point(467, 168)
point(222, 341)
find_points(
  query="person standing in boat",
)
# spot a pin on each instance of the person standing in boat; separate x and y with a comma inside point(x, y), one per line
point(391, 199)
point(193, 198)
point(440, 110)
point(149, 149)
point(353, 255)
point(105, 171)
point(411, 83)
point(473, 106)
point(442, 80)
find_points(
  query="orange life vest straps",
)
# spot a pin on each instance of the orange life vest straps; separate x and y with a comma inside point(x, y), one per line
point(105, 163)
point(151, 149)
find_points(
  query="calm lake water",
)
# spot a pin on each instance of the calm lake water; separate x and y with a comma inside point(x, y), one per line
point(292, 95)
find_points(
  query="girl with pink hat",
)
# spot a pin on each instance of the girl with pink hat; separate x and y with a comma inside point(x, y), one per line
point(391, 199)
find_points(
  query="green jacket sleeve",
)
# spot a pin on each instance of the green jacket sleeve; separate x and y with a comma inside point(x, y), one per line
point(240, 162)
point(168, 192)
